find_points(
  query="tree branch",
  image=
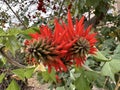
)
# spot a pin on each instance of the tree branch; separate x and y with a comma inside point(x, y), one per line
point(118, 84)
point(89, 69)
point(62, 3)
point(15, 14)
point(9, 57)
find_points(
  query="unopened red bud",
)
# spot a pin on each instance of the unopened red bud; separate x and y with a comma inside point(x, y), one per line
point(44, 10)
point(54, 7)
point(34, 16)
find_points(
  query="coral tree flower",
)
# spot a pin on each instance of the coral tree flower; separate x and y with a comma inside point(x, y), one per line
point(80, 42)
point(44, 47)
point(68, 44)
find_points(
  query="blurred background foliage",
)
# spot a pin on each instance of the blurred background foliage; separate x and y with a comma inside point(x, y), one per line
point(18, 18)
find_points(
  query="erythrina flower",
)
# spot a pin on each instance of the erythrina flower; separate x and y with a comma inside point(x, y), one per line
point(80, 42)
point(66, 45)
point(44, 47)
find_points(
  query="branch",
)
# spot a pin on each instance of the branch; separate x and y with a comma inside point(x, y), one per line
point(9, 57)
point(61, 8)
point(15, 14)
point(118, 84)
point(89, 69)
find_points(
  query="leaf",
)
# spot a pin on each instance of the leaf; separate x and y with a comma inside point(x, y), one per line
point(91, 75)
point(85, 78)
point(31, 30)
point(13, 32)
point(2, 32)
point(108, 43)
point(1, 63)
point(19, 73)
point(10, 32)
point(110, 68)
point(93, 3)
point(60, 88)
point(116, 54)
point(81, 83)
point(28, 72)
point(2, 77)
point(100, 82)
point(26, 21)
point(49, 76)
point(100, 57)
point(13, 86)
point(12, 43)
point(24, 73)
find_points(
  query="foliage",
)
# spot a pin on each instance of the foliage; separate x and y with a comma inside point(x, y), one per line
point(13, 86)
point(100, 70)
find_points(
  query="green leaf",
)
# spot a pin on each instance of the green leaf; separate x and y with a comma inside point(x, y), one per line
point(100, 82)
point(2, 32)
point(24, 73)
point(19, 73)
point(2, 77)
point(26, 21)
point(1, 63)
point(110, 68)
point(91, 75)
point(28, 72)
point(10, 32)
point(116, 54)
point(13, 86)
point(30, 30)
point(81, 83)
point(49, 76)
point(100, 57)
point(13, 32)
point(93, 3)
point(12, 43)
point(85, 78)
point(60, 88)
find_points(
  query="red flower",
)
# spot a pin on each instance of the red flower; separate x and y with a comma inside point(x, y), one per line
point(66, 45)
point(45, 47)
point(80, 42)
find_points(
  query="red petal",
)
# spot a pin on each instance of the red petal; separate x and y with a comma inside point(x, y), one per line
point(62, 65)
point(60, 46)
point(70, 24)
point(81, 30)
point(92, 50)
point(88, 30)
point(27, 42)
point(79, 61)
point(35, 36)
point(67, 46)
point(80, 24)
point(63, 52)
point(49, 68)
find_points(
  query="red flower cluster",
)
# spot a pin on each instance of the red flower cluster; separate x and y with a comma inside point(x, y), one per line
point(68, 44)
point(41, 6)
